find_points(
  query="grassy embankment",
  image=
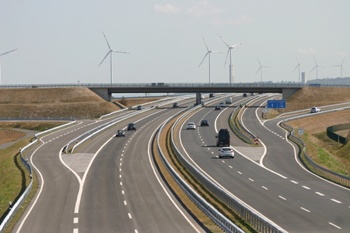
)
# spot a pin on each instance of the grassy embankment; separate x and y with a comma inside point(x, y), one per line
point(53, 102)
point(325, 152)
point(168, 151)
point(128, 102)
point(14, 177)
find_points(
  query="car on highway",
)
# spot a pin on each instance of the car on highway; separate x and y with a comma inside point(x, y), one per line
point(315, 109)
point(139, 107)
point(211, 95)
point(223, 138)
point(226, 152)
point(245, 95)
point(120, 133)
point(252, 94)
point(175, 105)
point(217, 108)
point(222, 104)
point(204, 123)
point(191, 125)
point(131, 126)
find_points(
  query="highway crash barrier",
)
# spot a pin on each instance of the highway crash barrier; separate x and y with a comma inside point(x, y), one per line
point(14, 207)
point(321, 171)
point(260, 222)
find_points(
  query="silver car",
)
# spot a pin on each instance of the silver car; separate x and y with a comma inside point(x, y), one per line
point(226, 152)
point(191, 125)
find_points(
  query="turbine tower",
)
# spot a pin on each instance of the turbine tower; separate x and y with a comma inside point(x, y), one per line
point(208, 53)
point(261, 68)
point(0, 62)
point(298, 66)
point(341, 68)
point(110, 56)
point(231, 71)
point(316, 67)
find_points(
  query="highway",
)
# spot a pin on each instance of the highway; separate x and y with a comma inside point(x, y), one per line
point(278, 188)
point(109, 185)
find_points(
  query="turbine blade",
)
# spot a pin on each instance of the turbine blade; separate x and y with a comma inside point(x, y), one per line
point(342, 61)
point(313, 69)
point(119, 51)
point(107, 41)
point(236, 45)
point(104, 58)
point(203, 59)
point(226, 56)
point(205, 43)
point(224, 40)
point(315, 61)
point(259, 61)
point(295, 68)
point(258, 70)
point(215, 52)
point(343, 70)
point(8, 52)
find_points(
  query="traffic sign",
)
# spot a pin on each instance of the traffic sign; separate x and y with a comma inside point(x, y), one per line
point(276, 103)
point(256, 140)
point(266, 110)
point(300, 131)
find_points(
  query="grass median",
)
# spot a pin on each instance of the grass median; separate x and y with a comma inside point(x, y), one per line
point(168, 150)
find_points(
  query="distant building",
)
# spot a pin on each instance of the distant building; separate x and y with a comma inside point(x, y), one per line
point(303, 77)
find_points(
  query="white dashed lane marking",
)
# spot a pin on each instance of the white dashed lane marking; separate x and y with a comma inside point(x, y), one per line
point(334, 225)
point(129, 215)
point(239, 172)
point(294, 182)
point(75, 220)
point(305, 187)
point(321, 194)
point(339, 202)
point(264, 188)
point(283, 198)
point(251, 179)
point(305, 209)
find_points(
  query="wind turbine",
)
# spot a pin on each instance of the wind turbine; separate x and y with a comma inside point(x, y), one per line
point(231, 71)
point(208, 53)
point(261, 68)
point(298, 66)
point(316, 67)
point(0, 63)
point(341, 68)
point(110, 53)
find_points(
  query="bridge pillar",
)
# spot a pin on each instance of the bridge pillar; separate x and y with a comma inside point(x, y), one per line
point(288, 92)
point(103, 93)
point(198, 98)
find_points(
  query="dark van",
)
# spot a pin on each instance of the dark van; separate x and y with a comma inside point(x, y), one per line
point(223, 138)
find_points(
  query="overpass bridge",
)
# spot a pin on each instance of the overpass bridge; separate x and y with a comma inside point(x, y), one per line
point(105, 90)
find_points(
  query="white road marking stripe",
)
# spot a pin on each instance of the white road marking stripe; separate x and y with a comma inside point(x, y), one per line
point(208, 148)
point(334, 225)
point(129, 215)
point(305, 187)
point(321, 194)
point(251, 179)
point(120, 176)
point(230, 166)
point(305, 209)
point(282, 197)
point(123, 192)
point(136, 231)
point(125, 203)
point(294, 182)
point(239, 172)
point(264, 188)
point(75, 230)
point(75, 220)
point(212, 152)
point(336, 201)
point(223, 161)
point(121, 183)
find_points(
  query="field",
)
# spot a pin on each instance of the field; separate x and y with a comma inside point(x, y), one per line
point(53, 102)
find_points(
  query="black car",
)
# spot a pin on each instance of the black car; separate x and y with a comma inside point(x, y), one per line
point(204, 123)
point(217, 108)
point(223, 138)
point(120, 133)
point(175, 105)
point(131, 126)
point(245, 95)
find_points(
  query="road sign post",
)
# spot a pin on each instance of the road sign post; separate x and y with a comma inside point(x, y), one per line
point(256, 140)
point(300, 132)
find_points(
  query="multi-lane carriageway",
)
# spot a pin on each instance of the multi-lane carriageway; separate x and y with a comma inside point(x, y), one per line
point(111, 184)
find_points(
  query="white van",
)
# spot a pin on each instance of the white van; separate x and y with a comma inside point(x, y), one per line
point(228, 100)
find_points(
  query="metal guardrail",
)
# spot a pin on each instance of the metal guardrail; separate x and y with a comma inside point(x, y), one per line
point(261, 223)
point(161, 85)
point(20, 200)
point(201, 203)
point(344, 180)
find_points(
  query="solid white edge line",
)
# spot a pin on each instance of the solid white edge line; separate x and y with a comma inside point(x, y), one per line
point(160, 183)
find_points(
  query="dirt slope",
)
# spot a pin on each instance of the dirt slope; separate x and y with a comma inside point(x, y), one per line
point(53, 102)
point(309, 97)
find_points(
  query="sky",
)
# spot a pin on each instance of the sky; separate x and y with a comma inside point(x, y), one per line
point(62, 42)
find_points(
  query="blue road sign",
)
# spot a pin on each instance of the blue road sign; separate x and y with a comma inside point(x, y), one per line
point(276, 103)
